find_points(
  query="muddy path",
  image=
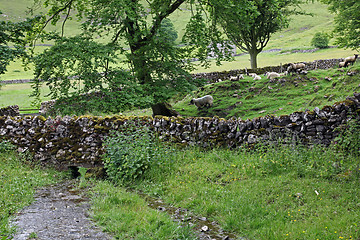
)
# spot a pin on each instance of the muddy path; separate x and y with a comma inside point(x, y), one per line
point(61, 212)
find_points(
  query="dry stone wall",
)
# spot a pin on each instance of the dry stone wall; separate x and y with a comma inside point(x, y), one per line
point(317, 64)
point(10, 111)
point(77, 141)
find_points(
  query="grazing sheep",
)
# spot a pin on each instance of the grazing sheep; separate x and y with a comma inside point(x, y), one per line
point(252, 74)
point(236, 78)
point(351, 60)
point(284, 73)
point(203, 101)
point(272, 75)
point(295, 67)
point(256, 77)
point(342, 64)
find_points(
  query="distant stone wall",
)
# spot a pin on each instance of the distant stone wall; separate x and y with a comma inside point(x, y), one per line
point(16, 81)
point(10, 111)
point(317, 64)
point(78, 141)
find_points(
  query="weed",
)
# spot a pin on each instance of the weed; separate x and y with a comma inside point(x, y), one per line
point(6, 146)
point(82, 172)
point(131, 152)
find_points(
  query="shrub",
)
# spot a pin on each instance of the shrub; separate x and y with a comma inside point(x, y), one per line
point(131, 152)
point(320, 40)
point(348, 140)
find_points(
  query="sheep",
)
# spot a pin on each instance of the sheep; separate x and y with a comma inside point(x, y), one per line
point(203, 101)
point(284, 73)
point(342, 64)
point(252, 74)
point(236, 78)
point(256, 77)
point(272, 75)
point(295, 67)
point(351, 60)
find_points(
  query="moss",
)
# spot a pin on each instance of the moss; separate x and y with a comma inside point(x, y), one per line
point(262, 130)
point(42, 118)
point(101, 128)
point(346, 102)
point(327, 108)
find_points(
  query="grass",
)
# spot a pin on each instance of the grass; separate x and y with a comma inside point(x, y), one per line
point(249, 99)
point(127, 216)
point(18, 94)
point(274, 193)
point(17, 184)
point(297, 36)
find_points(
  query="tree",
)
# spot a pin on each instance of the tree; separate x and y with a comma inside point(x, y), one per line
point(320, 40)
point(250, 24)
point(347, 23)
point(131, 28)
point(13, 40)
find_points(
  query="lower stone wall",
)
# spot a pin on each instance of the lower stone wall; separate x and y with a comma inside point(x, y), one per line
point(77, 141)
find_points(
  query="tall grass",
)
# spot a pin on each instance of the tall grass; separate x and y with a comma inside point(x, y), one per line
point(276, 193)
point(268, 192)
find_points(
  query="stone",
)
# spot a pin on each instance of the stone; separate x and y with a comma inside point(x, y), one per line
point(204, 228)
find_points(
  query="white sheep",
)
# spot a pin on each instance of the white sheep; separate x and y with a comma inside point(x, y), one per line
point(203, 101)
point(342, 64)
point(272, 75)
point(236, 78)
point(252, 74)
point(295, 67)
point(256, 77)
point(351, 60)
point(284, 73)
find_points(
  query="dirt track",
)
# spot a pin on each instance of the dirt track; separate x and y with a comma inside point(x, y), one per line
point(59, 212)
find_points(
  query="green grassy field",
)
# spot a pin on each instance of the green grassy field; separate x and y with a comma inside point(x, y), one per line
point(269, 192)
point(18, 94)
point(248, 98)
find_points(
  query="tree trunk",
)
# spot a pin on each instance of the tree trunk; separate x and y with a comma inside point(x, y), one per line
point(253, 56)
point(141, 70)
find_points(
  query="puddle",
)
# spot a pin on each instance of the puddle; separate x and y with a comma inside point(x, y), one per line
point(205, 229)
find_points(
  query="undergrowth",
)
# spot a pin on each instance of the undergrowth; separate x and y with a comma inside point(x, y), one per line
point(269, 192)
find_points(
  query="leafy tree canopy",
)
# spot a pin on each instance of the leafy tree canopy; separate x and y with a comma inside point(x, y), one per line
point(13, 40)
point(347, 22)
point(124, 45)
point(249, 24)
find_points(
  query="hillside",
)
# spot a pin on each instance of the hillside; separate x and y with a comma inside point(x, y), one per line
point(280, 49)
point(247, 98)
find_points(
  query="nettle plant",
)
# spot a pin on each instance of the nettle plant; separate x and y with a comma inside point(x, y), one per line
point(348, 140)
point(131, 152)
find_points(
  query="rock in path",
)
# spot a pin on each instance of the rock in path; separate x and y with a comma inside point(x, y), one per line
point(58, 213)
